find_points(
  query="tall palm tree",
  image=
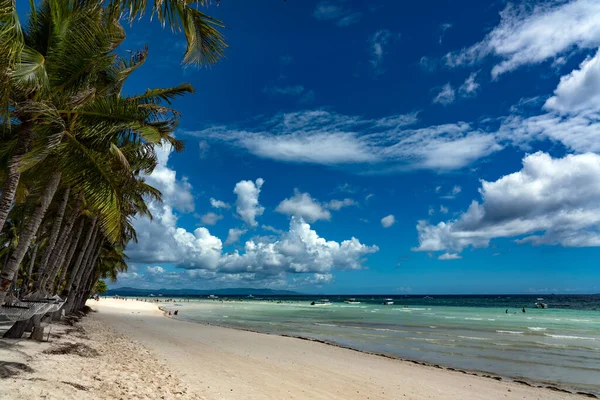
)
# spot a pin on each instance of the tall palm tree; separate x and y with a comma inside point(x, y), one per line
point(25, 64)
point(83, 125)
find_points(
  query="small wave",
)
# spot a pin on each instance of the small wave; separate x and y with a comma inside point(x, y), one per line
point(432, 326)
point(319, 324)
point(536, 328)
point(578, 320)
point(472, 337)
point(474, 319)
point(450, 317)
point(568, 337)
point(491, 319)
point(510, 332)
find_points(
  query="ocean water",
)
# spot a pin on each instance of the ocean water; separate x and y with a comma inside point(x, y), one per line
point(559, 345)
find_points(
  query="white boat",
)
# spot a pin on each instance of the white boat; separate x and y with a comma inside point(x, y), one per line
point(351, 301)
point(212, 296)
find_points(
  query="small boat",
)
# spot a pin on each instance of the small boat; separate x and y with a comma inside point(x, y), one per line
point(212, 296)
point(351, 300)
point(320, 303)
point(388, 302)
point(539, 304)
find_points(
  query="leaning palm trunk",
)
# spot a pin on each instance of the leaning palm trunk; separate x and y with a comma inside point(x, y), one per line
point(13, 173)
point(67, 257)
point(43, 269)
point(31, 264)
point(29, 231)
point(77, 265)
point(83, 293)
point(62, 245)
point(82, 272)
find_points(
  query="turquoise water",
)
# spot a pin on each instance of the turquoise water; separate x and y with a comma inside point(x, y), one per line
point(559, 346)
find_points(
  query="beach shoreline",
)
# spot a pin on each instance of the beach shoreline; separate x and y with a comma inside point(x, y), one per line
point(426, 372)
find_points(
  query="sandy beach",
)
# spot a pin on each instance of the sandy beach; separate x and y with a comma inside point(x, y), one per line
point(143, 354)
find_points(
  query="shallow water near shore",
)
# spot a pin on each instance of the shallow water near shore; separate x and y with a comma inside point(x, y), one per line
point(559, 346)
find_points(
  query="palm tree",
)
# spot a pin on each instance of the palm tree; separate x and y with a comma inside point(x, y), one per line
point(28, 56)
point(85, 135)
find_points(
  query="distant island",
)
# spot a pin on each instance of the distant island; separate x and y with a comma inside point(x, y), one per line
point(129, 291)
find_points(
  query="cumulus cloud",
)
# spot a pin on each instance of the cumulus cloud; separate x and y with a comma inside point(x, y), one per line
point(336, 12)
point(234, 234)
point(210, 218)
point(531, 34)
point(446, 96)
point(247, 205)
point(219, 204)
point(176, 192)
point(578, 91)
point(298, 250)
point(373, 145)
point(551, 201)
point(303, 205)
point(388, 221)
point(443, 210)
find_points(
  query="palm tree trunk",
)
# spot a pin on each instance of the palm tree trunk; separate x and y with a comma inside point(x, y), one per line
point(43, 269)
point(81, 294)
point(81, 272)
point(31, 263)
point(68, 256)
point(62, 245)
point(29, 231)
point(13, 174)
point(78, 262)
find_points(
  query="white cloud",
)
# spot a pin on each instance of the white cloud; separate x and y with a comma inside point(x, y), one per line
point(445, 96)
point(247, 205)
point(578, 91)
point(303, 205)
point(449, 256)
point(210, 218)
point(533, 34)
point(388, 221)
point(470, 86)
point(177, 193)
point(219, 204)
point(379, 41)
point(551, 201)
point(337, 205)
point(443, 210)
point(234, 234)
point(453, 193)
point(299, 250)
point(431, 211)
point(374, 145)
point(444, 28)
point(334, 11)
point(155, 270)
point(295, 90)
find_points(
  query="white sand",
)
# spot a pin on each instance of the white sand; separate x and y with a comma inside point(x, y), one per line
point(122, 369)
point(222, 363)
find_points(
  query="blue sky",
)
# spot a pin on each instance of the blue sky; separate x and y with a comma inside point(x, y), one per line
point(396, 147)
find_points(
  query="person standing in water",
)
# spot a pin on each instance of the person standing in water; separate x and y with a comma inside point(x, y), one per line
point(523, 309)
